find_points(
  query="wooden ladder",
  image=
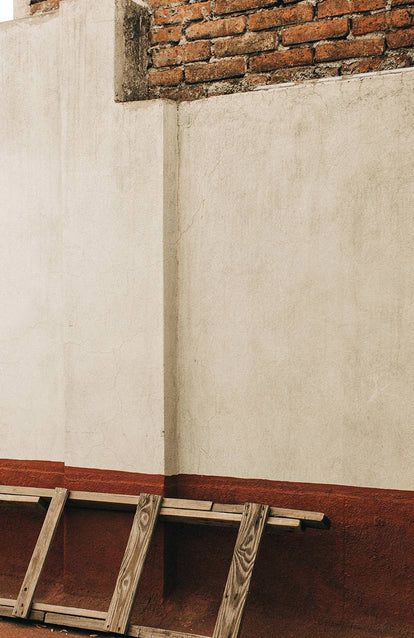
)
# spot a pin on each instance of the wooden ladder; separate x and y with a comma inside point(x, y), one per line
point(252, 519)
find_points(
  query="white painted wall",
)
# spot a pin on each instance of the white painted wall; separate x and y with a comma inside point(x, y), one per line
point(113, 176)
point(86, 187)
point(31, 313)
point(291, 274)
point(296, 306)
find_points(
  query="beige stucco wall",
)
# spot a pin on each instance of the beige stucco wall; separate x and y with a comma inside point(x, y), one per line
point(87, 187)
point(31, 313)
point(114, 169)
point(221, 288)
point(21, 9)
point(296, 306)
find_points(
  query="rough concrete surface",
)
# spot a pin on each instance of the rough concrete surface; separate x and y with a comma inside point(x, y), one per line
point(292, 359)
point(296, 271)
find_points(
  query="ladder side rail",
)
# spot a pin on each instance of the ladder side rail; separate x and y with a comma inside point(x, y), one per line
point(40, 552)
point(132, 565)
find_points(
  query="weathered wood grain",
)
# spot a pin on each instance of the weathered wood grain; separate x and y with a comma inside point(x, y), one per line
point(133, 563)
point(7, 612)
point(58, 609)
point(225, 519)
point(310, 519)
point(317, 520)
point(80, 622)
point(126, 502)
point(41, 550)
point(171, 505)
point(98, 625)
point(27, 491)
point(231, 611)
point(69, 611)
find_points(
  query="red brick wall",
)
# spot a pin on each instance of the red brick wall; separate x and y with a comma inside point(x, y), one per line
point(212, 47)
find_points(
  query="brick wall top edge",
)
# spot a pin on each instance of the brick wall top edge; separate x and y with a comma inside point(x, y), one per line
point(202, 48)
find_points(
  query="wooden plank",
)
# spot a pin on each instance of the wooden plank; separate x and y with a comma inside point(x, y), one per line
point(310, 519)
point(80, 622)
point(133, 563)
point(41, 550)
point(187, 504)
point(7, 612)
point(232, 606)
point(69, 611)
point(98, 625)
point(275, 524)
point(150, 632)
point(129, 502)
point(317, 520)
point(225, 519)
point(199, 517)
point(27, 491)
point(58, 609)
point(169, 506)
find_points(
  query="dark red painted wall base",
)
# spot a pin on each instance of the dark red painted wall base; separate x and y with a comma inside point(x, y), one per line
point(355, 580)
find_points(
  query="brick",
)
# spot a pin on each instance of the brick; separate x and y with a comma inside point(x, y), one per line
point(193, 92)
point(303, 73)
point(230, 6)
point(237, 85)
point(382, 21)
point(162, 3)
point(324, 71)
point(171, 56)
point(208, 71)
point(401, 18)
point(330, 8)
point(186, 93)
point(281, 59)
point(194, 51)
point(368, 24)
point(168, 34)
point(349, 49)
point(376, 64)
point(404, 38)
point(216, 28)
point(169, 77)
point(183, 13)
point(252, 81)
point(280, 16)
point(395, 3)
point(43, 7)
point(313, 31)
point(249, 43)
point(362, 66)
